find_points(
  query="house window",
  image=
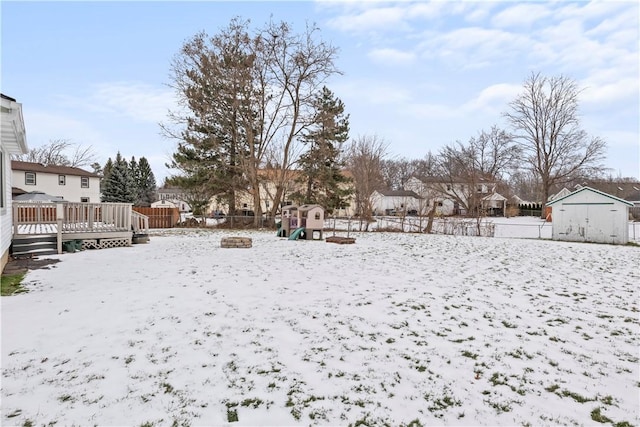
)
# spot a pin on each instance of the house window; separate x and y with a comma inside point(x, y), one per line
point(479, 188)
point(62, 180)
point(84, 182)
point(317, 216)
point(448, 187)
point(266, 203)
point(84, 199)
point(29, 178)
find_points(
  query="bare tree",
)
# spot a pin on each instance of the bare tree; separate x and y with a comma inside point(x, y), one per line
point(292, 72)
point(496, 152)
point(249, 96)
point(56, 152)
point(365, 156)
point(547, 126)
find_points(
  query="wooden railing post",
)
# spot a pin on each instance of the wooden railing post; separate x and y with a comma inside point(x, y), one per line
point(59, 220)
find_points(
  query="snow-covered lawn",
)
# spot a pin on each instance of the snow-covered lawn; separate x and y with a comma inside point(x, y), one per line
point(398, 329)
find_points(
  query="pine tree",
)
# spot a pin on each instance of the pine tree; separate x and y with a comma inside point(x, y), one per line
point(119, 186)
point(106, 171)
point(146, 183)
point(321, 163)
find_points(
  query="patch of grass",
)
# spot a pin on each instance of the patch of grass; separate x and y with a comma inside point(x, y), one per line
point(65, 398)
point(498, 379)
point(11, 285)
point(232, 412)
point(608, 400)
point(470, 355)
point(506, 324)
point(552, 388)
point(575, 396)
point(255, 402)
point(168, 388)
point(598, 417)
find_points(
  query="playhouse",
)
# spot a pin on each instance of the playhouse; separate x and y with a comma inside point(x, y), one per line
point(302, 222)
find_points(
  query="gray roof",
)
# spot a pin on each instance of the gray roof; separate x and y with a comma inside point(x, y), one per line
point(37, 196)
point(592, 190)
point(399, 193)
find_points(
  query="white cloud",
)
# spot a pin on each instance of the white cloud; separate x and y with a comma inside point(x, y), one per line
point(521, 15)
point(493, 99)
point(474, 47)
point(609, 93)
point(391, 57)
point(371, 19)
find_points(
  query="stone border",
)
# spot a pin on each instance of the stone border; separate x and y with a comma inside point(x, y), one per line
point(236, 242)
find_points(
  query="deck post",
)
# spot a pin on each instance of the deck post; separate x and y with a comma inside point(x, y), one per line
point(59, 219)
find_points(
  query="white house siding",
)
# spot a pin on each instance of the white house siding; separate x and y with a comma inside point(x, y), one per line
point(5, 209)
point(588, 215)
point(71, 191)
point(382, 203)
point(13, 140)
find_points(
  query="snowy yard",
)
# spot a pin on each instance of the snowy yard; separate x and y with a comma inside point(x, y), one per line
point(398, 329)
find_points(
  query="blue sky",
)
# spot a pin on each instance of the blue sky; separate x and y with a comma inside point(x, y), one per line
point(420, 75)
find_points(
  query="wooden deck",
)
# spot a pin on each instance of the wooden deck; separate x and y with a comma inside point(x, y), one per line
point(99, 224)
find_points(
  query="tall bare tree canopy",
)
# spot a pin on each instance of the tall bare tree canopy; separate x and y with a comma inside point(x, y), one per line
point(246, 94)
point(364, 160)
point(546, 124)
point(60, 152)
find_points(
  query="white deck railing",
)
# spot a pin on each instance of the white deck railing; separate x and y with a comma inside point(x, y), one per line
point(140, 223)
point(71, 217)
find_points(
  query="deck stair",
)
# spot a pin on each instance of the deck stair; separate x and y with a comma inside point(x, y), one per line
point(34, 245)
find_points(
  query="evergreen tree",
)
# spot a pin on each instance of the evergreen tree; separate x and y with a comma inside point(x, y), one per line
point(119, 186)
point(106, 171)
point(321, 163)
point(146, 183)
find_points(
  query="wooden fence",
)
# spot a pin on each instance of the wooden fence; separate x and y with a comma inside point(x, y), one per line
point(160, 217)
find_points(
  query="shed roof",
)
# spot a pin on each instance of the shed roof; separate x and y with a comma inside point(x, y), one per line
point(589, 189)
point(304, 208)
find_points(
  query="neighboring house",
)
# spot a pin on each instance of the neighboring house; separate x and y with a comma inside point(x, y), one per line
point(450, 197)
point(69, 183)
point(171, 193)
point(589, 215)
point(13, 140)
point(394, 202)
point(268, 188)
point(175, 196)
point(562, 193)
point(166, 203)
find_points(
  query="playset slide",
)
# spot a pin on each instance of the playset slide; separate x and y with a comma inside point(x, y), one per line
point(296, 233)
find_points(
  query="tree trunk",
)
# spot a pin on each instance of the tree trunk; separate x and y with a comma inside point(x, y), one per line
point(431, 214)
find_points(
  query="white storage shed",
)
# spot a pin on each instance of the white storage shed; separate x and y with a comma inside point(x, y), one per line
point(589, 215)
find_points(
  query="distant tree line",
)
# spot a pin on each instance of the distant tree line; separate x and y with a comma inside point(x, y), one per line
point(255, 100)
